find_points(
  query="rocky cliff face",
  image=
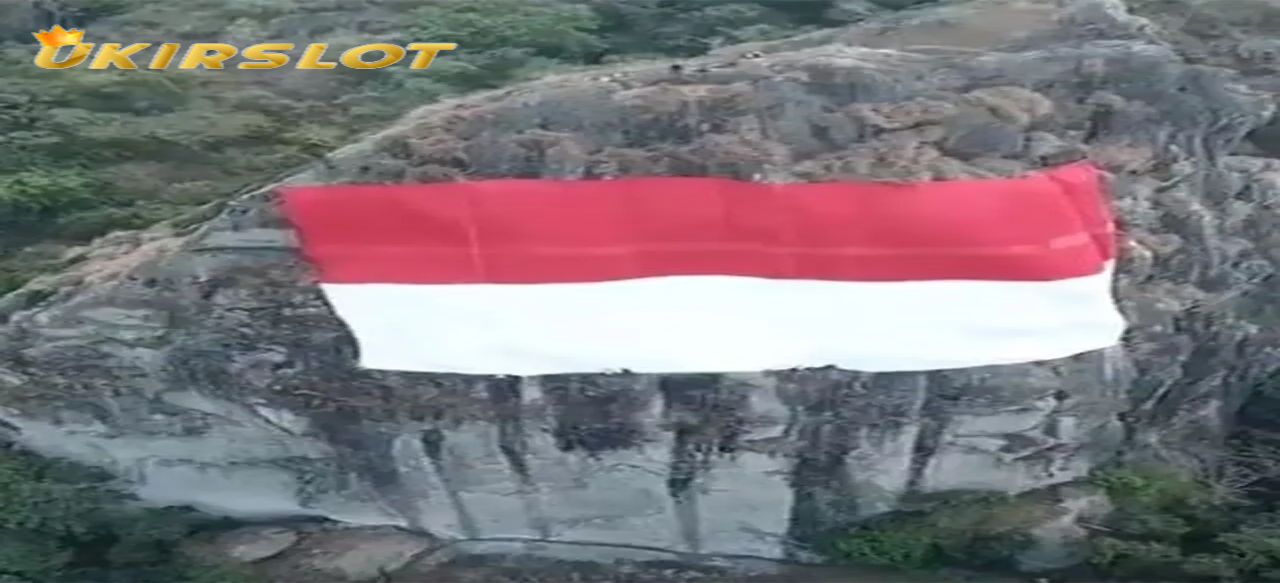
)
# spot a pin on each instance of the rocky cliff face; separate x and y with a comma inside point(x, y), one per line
point(198, 363)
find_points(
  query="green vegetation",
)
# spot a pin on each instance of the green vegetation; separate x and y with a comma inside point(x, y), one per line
point(1171, 527)
point(84, 152)
point(1166, 526)
point(60, 522)
point(965, 529)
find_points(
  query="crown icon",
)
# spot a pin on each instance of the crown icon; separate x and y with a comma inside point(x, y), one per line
point(58, 36)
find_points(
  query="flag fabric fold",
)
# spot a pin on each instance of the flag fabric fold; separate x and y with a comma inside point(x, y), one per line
point(686, 274)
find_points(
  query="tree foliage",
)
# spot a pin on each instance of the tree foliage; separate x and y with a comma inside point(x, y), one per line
point(1168, 526)
point(86, 151)
point(83, 152)
point(967, 529)
point(60, 522)
point(1165, 526)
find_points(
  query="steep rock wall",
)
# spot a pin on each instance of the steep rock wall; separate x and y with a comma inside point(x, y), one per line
point(201, 365)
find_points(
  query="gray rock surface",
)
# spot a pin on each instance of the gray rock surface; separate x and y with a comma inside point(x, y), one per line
point(255, 543)
point(198, 363)
point(325, 553)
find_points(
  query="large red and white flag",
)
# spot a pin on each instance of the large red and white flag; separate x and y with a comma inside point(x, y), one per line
point(671, 274)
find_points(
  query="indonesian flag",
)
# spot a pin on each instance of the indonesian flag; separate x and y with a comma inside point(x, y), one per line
point(675, 274)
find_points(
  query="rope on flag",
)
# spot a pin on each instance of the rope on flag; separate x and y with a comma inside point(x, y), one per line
point(682, 274)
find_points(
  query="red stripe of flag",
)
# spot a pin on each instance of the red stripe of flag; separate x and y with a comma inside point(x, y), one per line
point(1052, 224)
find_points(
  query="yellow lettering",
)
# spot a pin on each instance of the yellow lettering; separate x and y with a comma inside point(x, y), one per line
point(209, 55)
point(264, 57)
point(44, 58)
point(111, 54)
point(311, 57)
point(427, 53)
point(164, 56)
point(352, 59)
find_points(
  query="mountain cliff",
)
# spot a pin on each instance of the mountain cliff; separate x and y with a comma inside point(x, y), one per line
point(197, 361)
